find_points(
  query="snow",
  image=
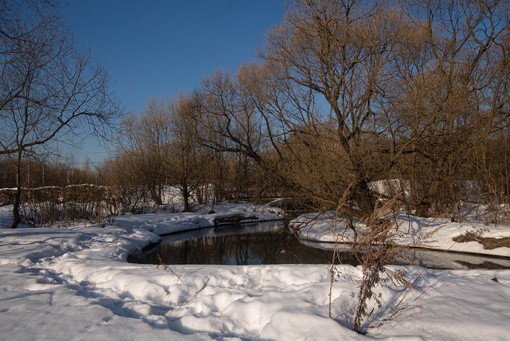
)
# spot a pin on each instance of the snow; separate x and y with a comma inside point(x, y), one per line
point(75, 284)
point(435, 234)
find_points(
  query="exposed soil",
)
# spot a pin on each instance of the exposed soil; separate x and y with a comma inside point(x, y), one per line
point(488, 243)
point(233, 219)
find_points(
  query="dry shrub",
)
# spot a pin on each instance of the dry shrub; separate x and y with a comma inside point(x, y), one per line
point(469, 236)
point(493, 243)
point(376, 248)
point(64, 206)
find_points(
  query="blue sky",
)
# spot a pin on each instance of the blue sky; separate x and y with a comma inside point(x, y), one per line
point(161, 47)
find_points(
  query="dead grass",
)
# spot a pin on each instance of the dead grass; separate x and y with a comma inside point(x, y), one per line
point(489, 243)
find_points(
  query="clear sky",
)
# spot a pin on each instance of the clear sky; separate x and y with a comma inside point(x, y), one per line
point(161, 47)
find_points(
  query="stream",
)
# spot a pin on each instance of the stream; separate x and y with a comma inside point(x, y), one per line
point(272, 243)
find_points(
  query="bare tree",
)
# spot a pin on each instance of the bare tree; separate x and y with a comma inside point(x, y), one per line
point(232, 122)
point(233, 125)
point(451, 92)
point(163, 146)
point(146, 137)
point(328, 60)
point(48, 90)
point(185, 158)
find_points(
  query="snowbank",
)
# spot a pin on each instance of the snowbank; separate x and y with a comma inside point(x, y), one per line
point(75, 284)
point(430, 233)
point(165, 223)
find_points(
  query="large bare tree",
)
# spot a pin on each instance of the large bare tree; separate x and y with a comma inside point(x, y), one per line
point(48, 89)
point(329, 60)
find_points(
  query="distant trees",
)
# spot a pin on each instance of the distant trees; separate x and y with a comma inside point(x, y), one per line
point(208, 144)
point(48, 89)
point(38, 172)
point(186, 160)
point(143, 140)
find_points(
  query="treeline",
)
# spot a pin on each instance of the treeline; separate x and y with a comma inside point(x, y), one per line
point(59, 193)
point(54, 192)
point(168, 145)
point(346, 93)
point(39, 172)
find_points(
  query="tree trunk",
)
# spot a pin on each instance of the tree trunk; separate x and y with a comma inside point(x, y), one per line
point(17, 199)
point(186, 196)
point(155, 194)
point(424, 206)
point(362, 197)
point(16, 209)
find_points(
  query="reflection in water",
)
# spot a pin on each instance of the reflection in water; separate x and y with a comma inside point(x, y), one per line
point(272, 247)
point(272, 243)
point(433, 259)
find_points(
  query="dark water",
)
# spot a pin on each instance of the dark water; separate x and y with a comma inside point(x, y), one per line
point(272, 243)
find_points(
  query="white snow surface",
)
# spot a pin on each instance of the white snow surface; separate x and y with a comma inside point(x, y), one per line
point(75, 284)
point(435, 234)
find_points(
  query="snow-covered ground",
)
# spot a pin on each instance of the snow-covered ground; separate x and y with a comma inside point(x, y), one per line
point(435, 234)
point(75, 284)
